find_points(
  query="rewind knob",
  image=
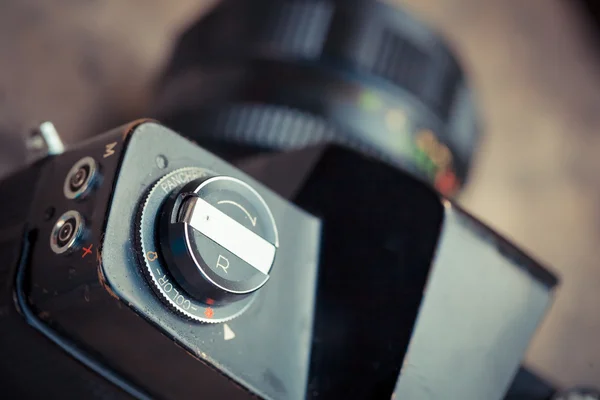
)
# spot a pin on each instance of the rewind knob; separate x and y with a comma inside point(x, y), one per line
point(218, 238)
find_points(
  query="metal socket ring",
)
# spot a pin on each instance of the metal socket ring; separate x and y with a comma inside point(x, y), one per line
point(81, 178)
point(67, 232)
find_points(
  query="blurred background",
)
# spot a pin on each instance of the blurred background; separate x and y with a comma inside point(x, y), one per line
point(90, 65)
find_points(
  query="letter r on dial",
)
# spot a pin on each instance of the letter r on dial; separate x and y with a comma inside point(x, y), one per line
point(223, 262)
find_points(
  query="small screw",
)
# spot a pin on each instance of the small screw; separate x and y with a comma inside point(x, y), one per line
point(49, 213)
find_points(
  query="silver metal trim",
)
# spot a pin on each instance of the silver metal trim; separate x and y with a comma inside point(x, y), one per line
point(78, 232)
point(85, 189)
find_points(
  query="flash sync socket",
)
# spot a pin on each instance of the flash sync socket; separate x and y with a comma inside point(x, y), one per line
point(81, 178)
point(67, 232)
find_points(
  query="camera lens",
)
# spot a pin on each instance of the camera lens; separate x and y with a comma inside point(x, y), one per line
point(67, 232)
point(81, 178)
point(285, 74)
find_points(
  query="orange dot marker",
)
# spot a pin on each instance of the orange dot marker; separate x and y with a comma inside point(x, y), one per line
point(209, 313)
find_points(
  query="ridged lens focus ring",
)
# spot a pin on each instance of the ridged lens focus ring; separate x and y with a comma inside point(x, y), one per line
point(374, 76)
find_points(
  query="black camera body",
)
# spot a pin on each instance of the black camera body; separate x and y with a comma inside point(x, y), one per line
point(140, 265)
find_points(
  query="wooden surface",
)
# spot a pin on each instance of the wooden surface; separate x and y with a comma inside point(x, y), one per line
point(87, 65)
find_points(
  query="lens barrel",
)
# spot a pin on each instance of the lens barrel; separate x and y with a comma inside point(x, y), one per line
point(279, 75)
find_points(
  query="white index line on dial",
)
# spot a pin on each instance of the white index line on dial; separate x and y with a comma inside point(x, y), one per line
point(227, 232)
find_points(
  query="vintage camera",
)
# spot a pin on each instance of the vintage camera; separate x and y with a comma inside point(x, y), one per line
point(307, 260)
point(139, 264)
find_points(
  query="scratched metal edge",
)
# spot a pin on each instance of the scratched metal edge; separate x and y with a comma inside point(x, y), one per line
point(126, 134)
point(65, 344)
point(128, 131)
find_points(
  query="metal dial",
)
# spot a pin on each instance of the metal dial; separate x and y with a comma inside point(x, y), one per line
point(219, 239)
point(208, 243)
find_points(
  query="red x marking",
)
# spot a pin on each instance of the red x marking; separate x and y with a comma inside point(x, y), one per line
point(87, 251)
